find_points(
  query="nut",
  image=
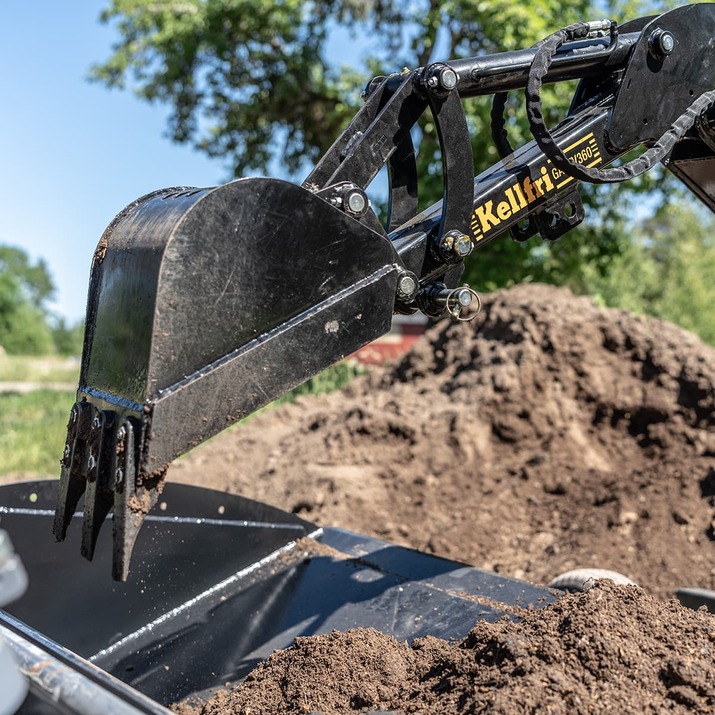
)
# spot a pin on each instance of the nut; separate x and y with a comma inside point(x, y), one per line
point(661, 43)
point(454, 246)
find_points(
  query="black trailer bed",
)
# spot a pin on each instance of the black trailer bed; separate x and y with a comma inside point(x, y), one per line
point(217, 583)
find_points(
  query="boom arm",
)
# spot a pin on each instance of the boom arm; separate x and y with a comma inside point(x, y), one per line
point(206, 304)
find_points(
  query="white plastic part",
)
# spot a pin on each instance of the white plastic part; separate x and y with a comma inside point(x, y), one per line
point(583, 579)
point(13, 684)
point(13, 582)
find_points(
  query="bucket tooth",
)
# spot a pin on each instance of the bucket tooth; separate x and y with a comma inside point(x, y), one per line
point(134, 496)
point(73, 477)
point(102, 464)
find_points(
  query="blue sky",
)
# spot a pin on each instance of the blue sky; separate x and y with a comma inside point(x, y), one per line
point(73, 153)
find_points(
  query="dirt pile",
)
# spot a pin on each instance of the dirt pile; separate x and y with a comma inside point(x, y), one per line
point(547, 435)
point(612, 649)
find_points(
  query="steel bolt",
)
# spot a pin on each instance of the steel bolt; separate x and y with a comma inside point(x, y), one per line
point(448, 79)
point(355, 202)
point(440, 79)
point(462, 245)
point(454, 246)
point(667, 43)
point(661, 43)
point(406, 286)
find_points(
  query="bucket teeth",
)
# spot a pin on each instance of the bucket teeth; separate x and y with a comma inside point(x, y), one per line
point(135, 495)
point(73, 477)
point(125, 531)
point(101, 460)
point(99, 497)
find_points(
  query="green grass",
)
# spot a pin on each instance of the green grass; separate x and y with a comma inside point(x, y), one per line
point(20, 368)
point(33, 428)
point(332, 378)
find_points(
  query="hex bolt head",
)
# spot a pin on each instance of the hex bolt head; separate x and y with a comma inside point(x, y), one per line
point(667, 43)
point(462, 245)
point(440, 79)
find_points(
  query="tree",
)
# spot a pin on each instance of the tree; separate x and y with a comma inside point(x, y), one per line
point(67, 337)
point(27, 325)
point(253, 83)
point(25, 289)
point(666, 270)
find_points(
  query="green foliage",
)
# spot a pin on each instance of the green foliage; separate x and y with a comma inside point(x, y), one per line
point(667, 270)
point(250, 80)
point(25, 288)
point(332, 378)
point(67, 337)
point(26, 325)
point(33, 428)
point(236, 73)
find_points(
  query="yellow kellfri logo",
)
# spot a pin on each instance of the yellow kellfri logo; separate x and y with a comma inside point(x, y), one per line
point(522, 193)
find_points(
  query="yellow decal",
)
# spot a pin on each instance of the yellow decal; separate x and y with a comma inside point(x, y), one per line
point(523, 193)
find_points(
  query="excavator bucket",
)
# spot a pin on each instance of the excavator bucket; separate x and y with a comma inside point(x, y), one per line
point(204, 305)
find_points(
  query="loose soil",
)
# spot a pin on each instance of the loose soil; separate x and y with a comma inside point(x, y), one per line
point(547, 435)
point(611, 649)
